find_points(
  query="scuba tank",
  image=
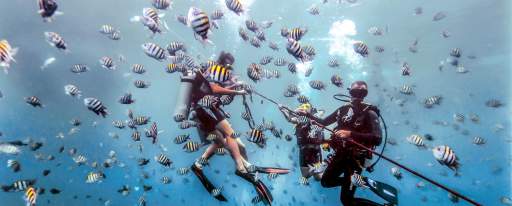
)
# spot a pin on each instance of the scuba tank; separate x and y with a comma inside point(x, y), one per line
point(182, 108)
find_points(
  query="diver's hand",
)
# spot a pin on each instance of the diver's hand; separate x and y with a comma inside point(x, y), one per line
point(343, 133)
point(241, 92)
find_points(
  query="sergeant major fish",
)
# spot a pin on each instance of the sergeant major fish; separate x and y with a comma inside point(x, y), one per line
point(199, 21)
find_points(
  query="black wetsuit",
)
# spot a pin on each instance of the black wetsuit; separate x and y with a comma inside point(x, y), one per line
point(310, 152)
point(208, 118)
point(349, 159)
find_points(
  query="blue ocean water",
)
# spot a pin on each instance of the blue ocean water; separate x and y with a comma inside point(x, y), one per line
point(479, 28)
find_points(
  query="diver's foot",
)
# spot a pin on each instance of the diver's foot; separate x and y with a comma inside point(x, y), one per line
point(261, 189)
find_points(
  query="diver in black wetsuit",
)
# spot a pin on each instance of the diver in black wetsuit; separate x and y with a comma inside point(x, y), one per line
point(308, 141)
point(360, 122)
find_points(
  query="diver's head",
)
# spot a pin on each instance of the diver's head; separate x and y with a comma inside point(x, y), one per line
point(226, 59)
point(306, 107)
point(358, 91)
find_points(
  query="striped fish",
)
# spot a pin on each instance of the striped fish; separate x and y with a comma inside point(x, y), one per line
point(458, 117)
point(406, 89)
point(405, 69)
point(395, 171)
point(309, 50)
point(115, 35)
point(136, 136)
point(79, 68)
point(217, 14)
point(308, 71)
point(455, 52)
point(208, 101)
point(171, 68)
point(314, 10)
point(75, 122)
point(280, 62)
point(94, 177)
point(255, 42)
point(211, 137)
point(461, 69)
point(235, 6)
point(154, 51)
point(336, 80)
point(446, 156)
point(163, 160)
point(107, 29)
point(317, 84)
point(256, 136)
point(141, 201)
point(295, 33)
point(494, 103)
point(7, 54)
point(357, 181)
point(183, 171)
point(302, 99)
point(152, 132)
point(182, 19)
point(379, 49)
point(361, 48)
point(80, 160)
point(33, 101)
point(219, 73)
point(293, 89)
point(175, 46)
point(478, 140)
point(333, 62)
point(187, 124)
point(243, 34)
point(161, 4)
point(180, 139)
point(295, 49)
point(260, 35)
point(14, 165)
point(272, 45)
point(138, 69)
point(246, 116)
point(251, 25)
point(216, 192)
point(19, 185)
point(30, 196)
point(430, 101)
point(96, 106)
point(141, 84)
point(141, 120)
point(118, 124)
point(199, 22)
point(55, 40)
point(226, 99)
point(292, 68)
point(256, 199)
point(265, 60)
point(47, 9)
point(474, 118)
point(165, 180)
point(284, 32)
point(191, 146)
point(303, 181)
point(416, 140)
point(272, 176)
point(107, 63)
point(126, 99)
point(72, 90)
point(221, 151)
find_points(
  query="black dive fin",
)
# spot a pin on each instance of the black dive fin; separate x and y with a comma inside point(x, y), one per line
point(261, 189)
point(383, 190)
point(206, 183)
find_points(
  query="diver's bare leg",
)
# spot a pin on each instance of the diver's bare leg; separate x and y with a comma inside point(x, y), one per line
point(231, 144)
point(241, 147)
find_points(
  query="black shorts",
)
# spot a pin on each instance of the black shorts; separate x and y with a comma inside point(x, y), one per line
point(309, 155)
point(208, 118)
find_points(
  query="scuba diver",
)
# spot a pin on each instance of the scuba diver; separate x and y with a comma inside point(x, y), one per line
point(360, 122)
point(308, 140)
point(204, 90)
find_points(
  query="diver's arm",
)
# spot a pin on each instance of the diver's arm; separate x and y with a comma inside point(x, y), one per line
point(288, 116)
point(325, 121)
point(375, 136)
point(216, 89)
